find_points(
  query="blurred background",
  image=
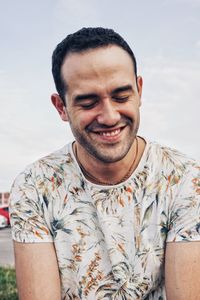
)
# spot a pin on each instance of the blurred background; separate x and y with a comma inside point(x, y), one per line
point(165, 37)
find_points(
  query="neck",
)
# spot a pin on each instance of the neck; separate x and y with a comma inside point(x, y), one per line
point(101, 173)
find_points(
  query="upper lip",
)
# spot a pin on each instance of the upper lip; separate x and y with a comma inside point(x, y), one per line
point(108, 129)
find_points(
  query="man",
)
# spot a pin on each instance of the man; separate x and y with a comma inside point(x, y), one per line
point(111, 215)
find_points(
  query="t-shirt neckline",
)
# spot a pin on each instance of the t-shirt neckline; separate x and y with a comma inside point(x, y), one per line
point(139, 167)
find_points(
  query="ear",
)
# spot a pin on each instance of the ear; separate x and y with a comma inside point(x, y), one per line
point(139, 86)
point(60, 107)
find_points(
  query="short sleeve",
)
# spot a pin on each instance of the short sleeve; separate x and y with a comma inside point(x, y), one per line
point(29, 223)
point(184, 221)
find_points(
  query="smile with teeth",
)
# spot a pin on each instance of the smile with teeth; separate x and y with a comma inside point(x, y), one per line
point(110, 133)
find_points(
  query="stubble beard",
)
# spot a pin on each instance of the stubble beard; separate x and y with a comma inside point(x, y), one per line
point(106, 154)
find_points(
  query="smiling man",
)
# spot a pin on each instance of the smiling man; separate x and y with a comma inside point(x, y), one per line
point(111, 215)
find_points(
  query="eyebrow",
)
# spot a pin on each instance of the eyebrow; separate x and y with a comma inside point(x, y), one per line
point(124, 88)
point(120, 89)
point(85, 96)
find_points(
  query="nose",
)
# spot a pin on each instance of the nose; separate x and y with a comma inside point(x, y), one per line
point(108, 115)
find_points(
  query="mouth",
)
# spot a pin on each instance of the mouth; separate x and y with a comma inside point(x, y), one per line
point(109, 135)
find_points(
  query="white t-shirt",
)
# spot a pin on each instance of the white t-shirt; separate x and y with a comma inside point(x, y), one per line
point(109, 240)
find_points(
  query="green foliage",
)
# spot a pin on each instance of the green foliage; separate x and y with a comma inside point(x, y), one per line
point(8, 289)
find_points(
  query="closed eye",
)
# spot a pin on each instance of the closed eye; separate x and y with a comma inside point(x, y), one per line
point(88, 105)
point(86, 101)
point(121, 98)
point(121, 94)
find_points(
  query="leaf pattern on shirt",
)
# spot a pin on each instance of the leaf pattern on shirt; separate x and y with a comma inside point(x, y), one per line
point(109, 241)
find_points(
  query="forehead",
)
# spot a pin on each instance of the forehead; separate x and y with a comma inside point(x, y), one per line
point(100, 65)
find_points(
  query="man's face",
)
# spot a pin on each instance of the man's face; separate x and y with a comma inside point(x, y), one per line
point(103, 101)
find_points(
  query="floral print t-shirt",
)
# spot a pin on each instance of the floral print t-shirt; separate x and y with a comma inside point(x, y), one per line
point(109, 240)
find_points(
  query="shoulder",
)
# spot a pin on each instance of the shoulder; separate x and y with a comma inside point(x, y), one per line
point(168, 157)
point(55, 160)
point(170, 166)
point(57, 164)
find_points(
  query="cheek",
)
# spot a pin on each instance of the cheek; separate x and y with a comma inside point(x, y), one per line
point(83, 119)
point(131, 113)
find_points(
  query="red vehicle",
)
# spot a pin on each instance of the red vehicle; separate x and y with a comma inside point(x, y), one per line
point(4, 212)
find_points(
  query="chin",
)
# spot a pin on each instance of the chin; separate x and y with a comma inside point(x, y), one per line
point(109, 156)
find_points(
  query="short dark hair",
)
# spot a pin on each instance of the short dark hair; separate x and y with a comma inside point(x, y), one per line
point(82, 40)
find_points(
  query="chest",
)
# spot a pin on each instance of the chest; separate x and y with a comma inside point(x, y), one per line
point(112, 240)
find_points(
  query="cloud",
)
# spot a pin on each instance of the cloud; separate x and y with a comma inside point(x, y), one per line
point(198, 44)
point(77, 7)
point(22, 144)
point(171, 104)
point(31, 129)
point(29, 126)
point(71, 15)
point(190, 2)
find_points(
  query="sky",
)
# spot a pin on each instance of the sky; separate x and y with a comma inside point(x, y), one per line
point(163, 34)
